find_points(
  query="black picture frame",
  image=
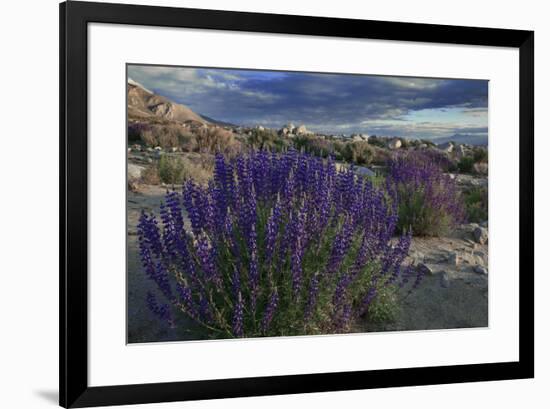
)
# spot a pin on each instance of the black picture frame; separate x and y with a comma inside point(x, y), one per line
point(73, 380)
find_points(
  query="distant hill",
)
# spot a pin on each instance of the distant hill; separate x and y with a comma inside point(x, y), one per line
point(469, 139)
point(216, 122)
point(144, 104)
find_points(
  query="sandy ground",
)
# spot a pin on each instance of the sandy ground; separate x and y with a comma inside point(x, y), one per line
point(143, 326)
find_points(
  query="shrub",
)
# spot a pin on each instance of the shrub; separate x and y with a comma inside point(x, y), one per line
point(477, 204)
point(437, 158)
point(213, 139)
point(262, 139)
point(377, 141)
point(276, 245)
point(429, 202)
point(466, 165)
point(481, 155)
point(175, 169)
point(150, 175)
point(360, 153)
point(314, 145)
point(166, 135)
point(171, 169)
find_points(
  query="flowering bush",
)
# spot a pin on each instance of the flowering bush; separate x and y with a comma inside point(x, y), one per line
point(276, 244)
point(429, 202)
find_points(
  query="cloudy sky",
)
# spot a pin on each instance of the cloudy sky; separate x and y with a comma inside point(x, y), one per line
point(330, 103)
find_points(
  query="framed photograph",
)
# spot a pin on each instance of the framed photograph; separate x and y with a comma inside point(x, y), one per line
point(256, 204)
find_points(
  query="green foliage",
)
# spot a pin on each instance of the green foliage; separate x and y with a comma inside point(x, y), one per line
point(171, 169)
point(385, 308)
point(481, 155)
point(359, 153)
point(466, 165)
point(150, 175)
point(373, 140)
point(477, 204)
point(424, 220)
point(267, 139)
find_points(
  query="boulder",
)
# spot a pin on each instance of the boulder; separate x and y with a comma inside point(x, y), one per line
point(133, 186)
point(480, 270)
point(394, 143)
point(481, 235)
point(134, 171)
point(481, 168)
point(360, 137)
point(302, 130)
point(446, 147)
point(363, 171)
point(424, 269)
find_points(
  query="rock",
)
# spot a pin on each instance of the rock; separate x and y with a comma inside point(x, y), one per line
point(260, 128)
point(481, 168)
point(453, 259)
point(422, 146)
point(302, 130)
point(134, 171)
point(481, 235)
point(395, 143)
point(283, 131)
point(480, 270)
point(136, 147)
point(424, 269)
point(133, 186)
point(445, 281)
point(360, 137)
point(290, 126)
point(363, 171)
point(174, 148)
point(484, 224)
point(446, 147)
point(461, 151)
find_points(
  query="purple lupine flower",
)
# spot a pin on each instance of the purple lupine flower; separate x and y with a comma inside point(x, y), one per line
point(367, 300)
point(160, 310)
point(272, 230)
point(299, 239)
point(312, 296)
point(341, 245)
point(270, 310)
point(238, 330)
point(225, 255)
point(414, 177)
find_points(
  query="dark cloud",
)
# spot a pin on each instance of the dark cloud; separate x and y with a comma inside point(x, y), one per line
point(414, 107)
